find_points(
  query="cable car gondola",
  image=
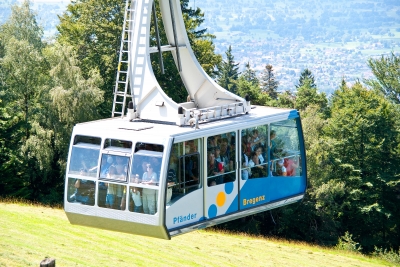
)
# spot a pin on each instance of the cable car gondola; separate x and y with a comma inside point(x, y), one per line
point(164, 168)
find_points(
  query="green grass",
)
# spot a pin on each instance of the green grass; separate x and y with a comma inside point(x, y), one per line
point(29, 233)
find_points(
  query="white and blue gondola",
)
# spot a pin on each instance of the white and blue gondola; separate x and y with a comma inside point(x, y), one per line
point(161, 180)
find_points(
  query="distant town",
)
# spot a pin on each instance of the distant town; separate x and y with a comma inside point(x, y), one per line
point(333, 39)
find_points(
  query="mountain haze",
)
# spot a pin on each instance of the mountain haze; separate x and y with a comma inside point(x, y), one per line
point(333, 39)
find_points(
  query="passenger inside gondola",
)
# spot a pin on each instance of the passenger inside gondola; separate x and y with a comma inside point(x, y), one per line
point(149, 195)
point(212, 183)
point(219, 158)
point(192, 146)
point(156, 164)
point(280, 168)
point(121, 172)
point(139, 165)
point(273, 148)
point(256, 140)
point(291, 164)
point(85, 160)
point(276, 146)
point(106, 162)
point(84, 191)
point(144, 167)
point(257, 170)
point(247, 141)
point(171, 181)
point(122, 164)
point(214, 168)
point(225, 148)
point(230, 167)
point(119, 204)
point(191, 171)
point(245, 163)
point(136, 195)
point(258, 151)
point(102, 193)
point(111, 188)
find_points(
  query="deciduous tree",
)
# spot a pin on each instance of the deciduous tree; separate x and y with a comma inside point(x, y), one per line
point(364, 132)
point(24, 75)
point(72, 98)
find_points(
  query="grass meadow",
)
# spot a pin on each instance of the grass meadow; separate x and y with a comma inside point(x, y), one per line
point(30, 232)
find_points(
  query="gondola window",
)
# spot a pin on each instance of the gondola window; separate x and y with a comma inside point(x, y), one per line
point(221, 159)
point(285, 149)
point(183, 170)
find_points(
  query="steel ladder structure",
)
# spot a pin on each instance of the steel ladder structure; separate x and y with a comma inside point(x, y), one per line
point(208, 100)
point(122, 80)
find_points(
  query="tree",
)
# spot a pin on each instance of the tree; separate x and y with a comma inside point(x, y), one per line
point(45, 95)
point(250, 75)
point(306, 75)
point(23, 71)
point(72, 98)
point(6, 154)
point(364, 136)
point(286, 99)
point(22, 62)
point(308, 95)
point(248, 84)
point(268, 83)
point(387, 76)
point(93, 28)
point(353, 170)
point(22, 25)
point(245, 87)
point(228, 72)
point(23, 67)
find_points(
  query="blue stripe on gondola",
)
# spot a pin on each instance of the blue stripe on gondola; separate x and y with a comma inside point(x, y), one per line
point(293, 114)
point(264, 190)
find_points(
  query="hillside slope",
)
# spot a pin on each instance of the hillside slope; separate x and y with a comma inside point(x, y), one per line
point(30, 233)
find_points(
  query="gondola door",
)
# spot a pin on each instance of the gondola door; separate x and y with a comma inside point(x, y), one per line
point(184, 196)
point(221, 177)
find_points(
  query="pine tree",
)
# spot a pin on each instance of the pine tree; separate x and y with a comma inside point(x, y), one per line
point(306, 75)
point(308, 95)
point(250, 75)
point(229, 72)
point(387, 76)
point(268, 83)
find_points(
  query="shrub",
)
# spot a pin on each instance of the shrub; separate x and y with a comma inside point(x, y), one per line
point(388, 255)
point(346, 243)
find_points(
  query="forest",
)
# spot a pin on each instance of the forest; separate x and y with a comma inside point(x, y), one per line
point(352, 138)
